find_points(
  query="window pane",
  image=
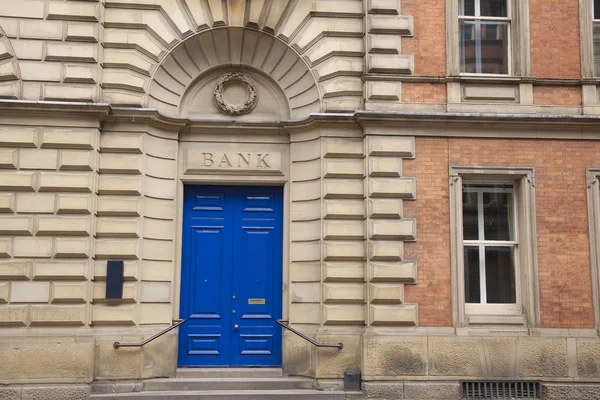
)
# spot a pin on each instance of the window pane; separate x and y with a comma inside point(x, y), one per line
point(596, 9)
point(597, 49)
point(470, 231)
point(493, 8)
point(472, 287)
point(468, 47)
point(494, 47)
point(467, 7)
point(500, 275)
point(498, 213)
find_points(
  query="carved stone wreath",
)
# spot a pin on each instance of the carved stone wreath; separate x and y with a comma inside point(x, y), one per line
point(235, 109)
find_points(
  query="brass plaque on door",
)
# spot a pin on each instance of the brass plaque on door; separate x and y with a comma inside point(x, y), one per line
point(256, 301)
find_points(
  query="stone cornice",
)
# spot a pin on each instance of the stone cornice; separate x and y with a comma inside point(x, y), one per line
point(372, 122)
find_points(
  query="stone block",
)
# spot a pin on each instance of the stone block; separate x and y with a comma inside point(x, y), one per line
point(543, 357)
point(455, 356)
point(23, 9)
point(35, 247)
point(108, 314)
point(386, 293)
point(70, 392)
point(28, 49)
point(72, 247)
point(390, 63)
point(588, 358)
point(16, 225)
point(77, 73)
point(305, 230)
point(385, 167)
point(59, 315)
point(79, 11)
point(392, 229)
point(344, 209)
point(67, 292)
point(502, 355)
point(392, 146)
point(343, 148)
point(306, 151)
point(64, 226)
point(305, 191)
point(403, 188)
point(40, 359)
point(35, 203)
point(346, 314)
point(395, 356)
point(7, 202)
point(432, 391)
point(18, 136)
point(383, 390)
point(121, 142)
point(156, 292)
point(130, 293)
point(38, 159)
point(331, 363)
point(113, 227)
point(391, 24)
point(29, 292)
point(305, 251)
point(71, 52)
point(4, 292)
point(343, 230)
point(151, 314)
point(5, 247)
point(158, 250)
point(160, 188)
point(21, 181)
point(74, 204)
point(159, 358)
point(343, 293)
point(40, 72)
point(305, 292)
point(76, 160)
point(66, 182)
point(344, 169)
point(121, 185)
point(158, 271)
point(305, 211)
point(393, 315)
point(65, 138)
point(343, 271)
point(569, 391)
point(10, 393)
point(159, 209)
point(130, 270)
point(158, 229)
point(386, 251)
point(302, 171)
point(160, 168)
point(348, 189)
point(123, 363)
point(386, 208)
point(159, 147)
point(15, 270)
point(13, 315)
point(120, 249)
point(121, 206)
point(305, 313)
point(70, 92)
point(8, 159)
point(121, 164)
point(344, 251)
point(82, 32)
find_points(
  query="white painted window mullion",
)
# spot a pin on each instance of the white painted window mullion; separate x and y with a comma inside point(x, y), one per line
point(481, 247)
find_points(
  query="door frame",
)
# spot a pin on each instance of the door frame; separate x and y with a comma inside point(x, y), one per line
point(228, 180)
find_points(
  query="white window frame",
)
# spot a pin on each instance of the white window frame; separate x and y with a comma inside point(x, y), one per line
point(519, 60)
point(593, 197)
point(526, 310)
point(586, 24)
point(484, 19)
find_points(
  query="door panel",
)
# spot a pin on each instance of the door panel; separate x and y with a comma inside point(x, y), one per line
point(231, 276)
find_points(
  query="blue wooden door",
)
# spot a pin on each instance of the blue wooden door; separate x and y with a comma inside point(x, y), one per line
point(231, 276)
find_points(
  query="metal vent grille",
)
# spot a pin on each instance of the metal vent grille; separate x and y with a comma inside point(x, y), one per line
point(500, 390)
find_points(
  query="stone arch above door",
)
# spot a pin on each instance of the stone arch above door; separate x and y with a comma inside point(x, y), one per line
point(284, 85)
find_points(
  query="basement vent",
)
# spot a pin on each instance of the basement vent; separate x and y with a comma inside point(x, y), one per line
point(500, 390)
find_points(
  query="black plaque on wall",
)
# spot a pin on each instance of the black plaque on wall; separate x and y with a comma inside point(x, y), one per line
point(114, 279)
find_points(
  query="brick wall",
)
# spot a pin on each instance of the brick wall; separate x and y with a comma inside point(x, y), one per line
point(423, 92)
point(557, 96)
point(562, 225)
point(555, 38)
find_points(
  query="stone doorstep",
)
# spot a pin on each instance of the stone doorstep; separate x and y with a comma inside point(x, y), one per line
point(229, 372)
point(227, 383)
point(237, 395)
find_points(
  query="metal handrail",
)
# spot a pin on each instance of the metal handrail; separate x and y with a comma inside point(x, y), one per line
point(117, 345)
point(285, 325)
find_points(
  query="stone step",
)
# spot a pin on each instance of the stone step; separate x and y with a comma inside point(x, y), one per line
point(229, 372)
point(180, 384)
point(235, 395)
